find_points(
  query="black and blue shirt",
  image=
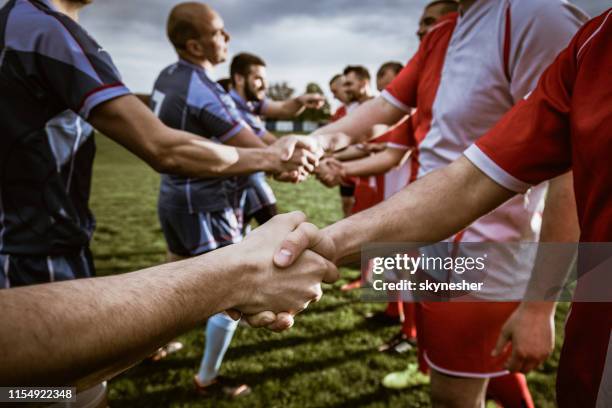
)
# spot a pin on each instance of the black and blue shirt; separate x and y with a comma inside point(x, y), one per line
point(186, 98)
point(50, 68)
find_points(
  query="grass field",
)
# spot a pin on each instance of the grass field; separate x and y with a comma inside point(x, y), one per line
point(328, 359)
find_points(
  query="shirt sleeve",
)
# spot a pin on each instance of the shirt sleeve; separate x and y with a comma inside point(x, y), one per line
point(402, 91)
point(74, 67)
point(538, 30)
point(219, 115)
point(532, 143)
point(401, 136)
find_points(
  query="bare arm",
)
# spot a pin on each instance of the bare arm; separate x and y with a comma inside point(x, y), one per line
point(423, 211)
point(352, 152)
point(375, 164)
point(246, 138)
point(83, 331)
point(364, 123)
point(130, 123)
point(292, 107)
point(268, 138)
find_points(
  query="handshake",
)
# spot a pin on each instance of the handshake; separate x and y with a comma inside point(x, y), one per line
point(295, 158)
point(277, 270)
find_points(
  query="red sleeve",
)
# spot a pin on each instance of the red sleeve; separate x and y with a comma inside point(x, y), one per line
point(340, 112)
point(402, 91)
point(532, 142)
point(401, 136)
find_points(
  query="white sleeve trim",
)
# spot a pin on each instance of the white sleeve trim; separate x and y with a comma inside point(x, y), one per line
point(494, 171)
point(397, 146)
point(395, 102)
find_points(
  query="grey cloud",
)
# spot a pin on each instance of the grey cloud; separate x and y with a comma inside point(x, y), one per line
point(287, 33)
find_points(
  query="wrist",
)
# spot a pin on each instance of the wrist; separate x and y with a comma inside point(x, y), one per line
point(268, 160)
point(539, 307)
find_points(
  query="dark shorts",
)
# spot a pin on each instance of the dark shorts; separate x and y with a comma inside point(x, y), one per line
point(259, 194)
point(22, 270)
point(347, 191)
point(189, 234)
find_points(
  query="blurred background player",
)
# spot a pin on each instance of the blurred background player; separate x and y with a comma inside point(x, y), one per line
point(201, 215)
point(248, 85)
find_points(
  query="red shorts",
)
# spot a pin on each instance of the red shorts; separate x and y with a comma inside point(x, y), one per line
point(585, 369)
point(459, 337)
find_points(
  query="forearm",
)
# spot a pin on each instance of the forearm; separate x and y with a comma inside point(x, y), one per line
point(268, 138)
point(557, 249)
point(378, 163)
point(85, 331)
point(200, 158)
point(127, 121)
point(291, 108)
point(422, 212)
point(360, 125)
point(350, 153)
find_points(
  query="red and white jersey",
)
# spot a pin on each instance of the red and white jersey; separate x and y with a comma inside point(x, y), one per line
point(339, 113)
point(372, 190)
point(491, 59)
point(565, 124)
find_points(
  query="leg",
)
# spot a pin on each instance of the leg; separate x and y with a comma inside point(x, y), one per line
point(457, 392)
point(265, 213)
point(219, 332)
point(510, 391)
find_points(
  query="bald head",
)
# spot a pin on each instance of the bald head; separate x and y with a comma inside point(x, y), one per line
point(186, 20)
point(197, 32)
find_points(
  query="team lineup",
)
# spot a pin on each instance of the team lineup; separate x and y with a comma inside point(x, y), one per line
point(494, 131)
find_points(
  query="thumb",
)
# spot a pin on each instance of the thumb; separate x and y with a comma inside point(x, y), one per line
point(288, 148)
point(305, 236)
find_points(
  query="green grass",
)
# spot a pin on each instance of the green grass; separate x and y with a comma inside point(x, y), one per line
point(328, 359)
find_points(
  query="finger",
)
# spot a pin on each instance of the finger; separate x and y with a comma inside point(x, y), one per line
point(288, 148)
point(515, 362)
point(306, 162)
point(305, 236)
point(296, 242)
point(530, 365)
point(331, 274)
point(284, 321)
point(502, 341)
point(261, 319)
point(312, 158)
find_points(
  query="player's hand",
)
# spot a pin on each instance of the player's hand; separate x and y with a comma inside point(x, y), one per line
point(296, 176)
point(312, 100)
point(265, 286)
point(295, 153)
point(330, 172)
point(531, 332)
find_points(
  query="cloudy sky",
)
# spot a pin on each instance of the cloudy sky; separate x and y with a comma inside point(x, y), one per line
point(302, 41)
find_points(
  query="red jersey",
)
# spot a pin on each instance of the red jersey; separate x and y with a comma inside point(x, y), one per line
point(565, 124)
point(372, 190)
point(339, 114)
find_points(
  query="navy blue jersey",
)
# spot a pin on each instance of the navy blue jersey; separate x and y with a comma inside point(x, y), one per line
point(185, 97)
point(48, 65)
point(250, 112)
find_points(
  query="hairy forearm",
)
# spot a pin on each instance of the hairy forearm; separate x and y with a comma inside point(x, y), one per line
point(428, 210)
point(360, 125)
point(127, 121)
point(558, 237)
point(375, 164)
point(82, 332)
